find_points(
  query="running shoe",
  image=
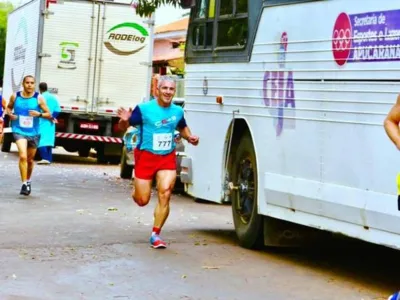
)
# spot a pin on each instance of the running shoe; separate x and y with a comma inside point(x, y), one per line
point(156, 242)
point(24, 190)
point(395, 296)
point(28, 184)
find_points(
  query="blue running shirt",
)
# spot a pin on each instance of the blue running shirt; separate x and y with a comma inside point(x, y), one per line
point(157, 126)
point(25, 124)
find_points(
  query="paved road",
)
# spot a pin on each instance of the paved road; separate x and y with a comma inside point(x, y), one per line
point(79, 236)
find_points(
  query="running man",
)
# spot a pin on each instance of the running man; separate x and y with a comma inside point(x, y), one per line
point(155, 152)
point(24, 112)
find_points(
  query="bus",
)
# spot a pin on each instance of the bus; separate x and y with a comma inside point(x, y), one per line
point(289, 98)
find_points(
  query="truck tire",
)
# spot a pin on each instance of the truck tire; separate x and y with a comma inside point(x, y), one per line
point(125, 169)
point(248, 223)
point(6, 142)
point(84, 152)
point(101, 157)
point(113, 159)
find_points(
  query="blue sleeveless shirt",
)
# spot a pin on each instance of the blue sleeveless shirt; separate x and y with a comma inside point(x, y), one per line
point(157, 126)
point(25, 124)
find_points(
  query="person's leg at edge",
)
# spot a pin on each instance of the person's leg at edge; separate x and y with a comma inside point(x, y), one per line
point(31, 163)
point(45, 153)
point(50, 153)
point(42, 152)
point(165, 184)
point(32, 148)
point(22, 145)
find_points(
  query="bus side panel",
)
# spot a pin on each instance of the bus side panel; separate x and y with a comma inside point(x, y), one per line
point(206, 172)
point(316, 116)
point(338, 116)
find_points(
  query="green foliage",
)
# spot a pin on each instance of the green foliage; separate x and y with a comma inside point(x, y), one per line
point(5, 8)
point(147, 7)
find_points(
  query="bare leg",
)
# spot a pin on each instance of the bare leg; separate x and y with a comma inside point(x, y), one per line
point(165, 185)
point(31, 155)
point(22, 146)
point(142, 191)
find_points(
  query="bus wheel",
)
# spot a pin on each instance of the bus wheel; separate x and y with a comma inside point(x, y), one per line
point(248, 223)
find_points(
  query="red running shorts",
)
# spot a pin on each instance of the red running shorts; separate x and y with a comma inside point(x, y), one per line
point(147, 164)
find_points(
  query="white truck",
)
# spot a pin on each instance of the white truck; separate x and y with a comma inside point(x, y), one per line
point(94, 55)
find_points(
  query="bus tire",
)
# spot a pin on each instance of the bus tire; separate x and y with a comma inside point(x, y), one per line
point(248, 223)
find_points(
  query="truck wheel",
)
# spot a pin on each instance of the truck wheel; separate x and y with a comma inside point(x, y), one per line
point(70, 147)
point(84, 152)
point(125, 169)
point(113, 159)
point(248, 223)
point(101, 157)
point(6, 142)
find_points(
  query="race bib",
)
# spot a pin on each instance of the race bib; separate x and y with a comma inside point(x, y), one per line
point(25, 122)
point(162, 141)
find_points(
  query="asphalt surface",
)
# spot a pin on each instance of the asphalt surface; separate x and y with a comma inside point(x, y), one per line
point(80, 236)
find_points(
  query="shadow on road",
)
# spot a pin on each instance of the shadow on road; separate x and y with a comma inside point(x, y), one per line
point(356, 261)
point(222, 236)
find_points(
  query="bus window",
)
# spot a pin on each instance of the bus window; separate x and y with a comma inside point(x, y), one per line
point(211, 9)
point(202, 9)
point(226, 7)
point(202, 35)
point(232, 33)
point(202, 31)
point(223, 26)
point(241, 7)
point(232, 23)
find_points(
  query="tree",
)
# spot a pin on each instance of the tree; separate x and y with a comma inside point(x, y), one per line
point(5, 8)
point(147, 7)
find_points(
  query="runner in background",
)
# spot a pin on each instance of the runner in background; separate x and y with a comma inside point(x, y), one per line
point(48, 126)
point(24, 112)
